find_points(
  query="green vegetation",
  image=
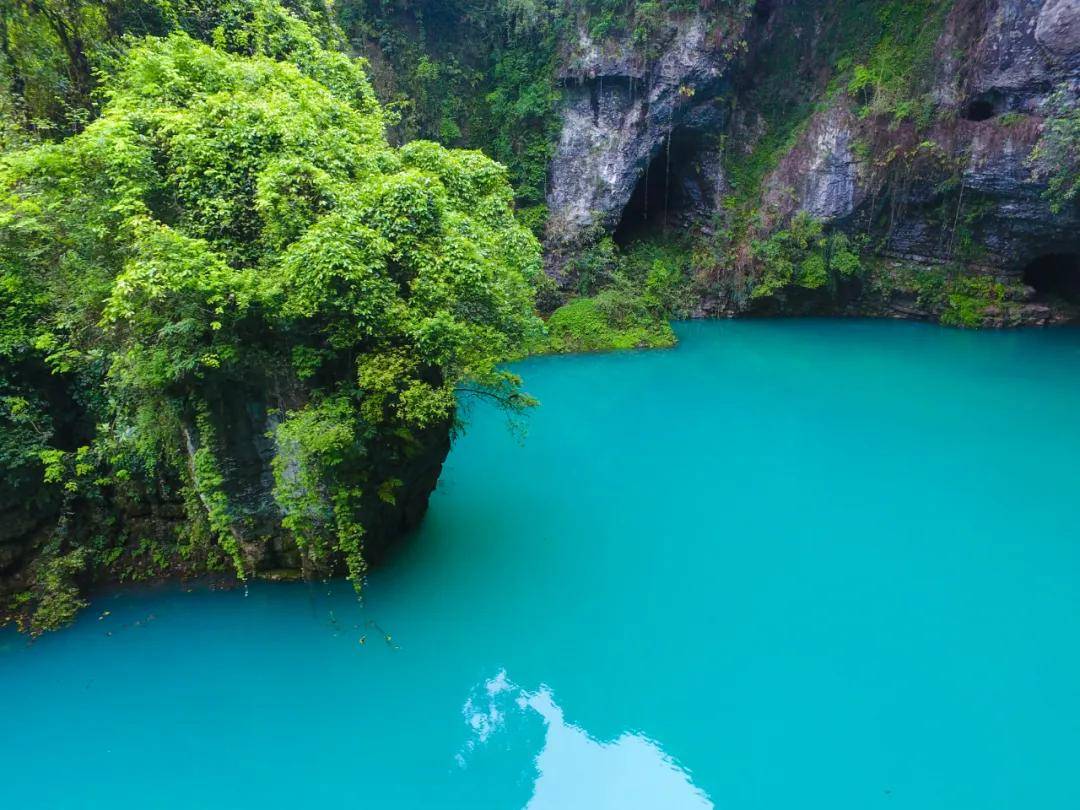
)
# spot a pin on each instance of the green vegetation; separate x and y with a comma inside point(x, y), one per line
point(803, 255)
point(473, 73)
point(891, 78)
point(53, 52)
point(948, 293)
point(968, 298)
point(614, 319)
point(643, 22)
point(1011, 119)
point(1057, 155)
point(627, 298)
point(233, 220)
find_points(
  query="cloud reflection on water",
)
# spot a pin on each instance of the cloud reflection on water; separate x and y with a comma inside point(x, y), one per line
point(574, 770)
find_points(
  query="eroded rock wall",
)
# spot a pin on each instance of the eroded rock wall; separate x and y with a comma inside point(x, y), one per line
point(620, 108)
point(960, 190)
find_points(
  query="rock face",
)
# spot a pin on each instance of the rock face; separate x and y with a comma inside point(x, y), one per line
point(619, 113)
point(1058, 28)
point(1024, 52)
point(822, 176)
point(18, 534)
point(246, 423)
point(961, 192)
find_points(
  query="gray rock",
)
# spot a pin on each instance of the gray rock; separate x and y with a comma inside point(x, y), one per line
point(821, 175)
point(975, 187)
point(1058, 28)
point(616, 115)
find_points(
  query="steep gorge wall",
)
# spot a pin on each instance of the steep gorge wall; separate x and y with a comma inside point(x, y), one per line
point(620, 110)
point(964, 190)
point(947, 188)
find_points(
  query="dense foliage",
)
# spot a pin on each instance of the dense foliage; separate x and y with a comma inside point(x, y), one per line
point(54, 51)
point(238, 222)
point(626, 297)
point(1057, 156)
point(473, 73)
point(802, 255)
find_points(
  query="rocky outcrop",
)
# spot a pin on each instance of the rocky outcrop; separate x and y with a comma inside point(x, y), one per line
point(1026, 47)
point(961, 192)
point(1057, 29)
point(821, 175)
point(245, 422)
point(620, 110)
point(975, 197)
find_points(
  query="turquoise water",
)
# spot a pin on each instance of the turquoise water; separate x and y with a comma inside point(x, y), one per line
point(790, 564)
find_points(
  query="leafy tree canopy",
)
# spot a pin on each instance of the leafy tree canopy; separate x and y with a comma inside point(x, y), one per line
point(237, 220)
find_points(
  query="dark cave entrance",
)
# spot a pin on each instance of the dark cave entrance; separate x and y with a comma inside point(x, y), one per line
point(984, 106)
point(673, 188)
point(1055, 275)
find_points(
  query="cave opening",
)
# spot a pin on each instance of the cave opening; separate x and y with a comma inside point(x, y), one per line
point(674, 185)
point(1055, 275)
point(983, 107)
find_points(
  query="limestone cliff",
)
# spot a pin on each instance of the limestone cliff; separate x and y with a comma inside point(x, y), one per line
point(940, 177)
point(619, 112)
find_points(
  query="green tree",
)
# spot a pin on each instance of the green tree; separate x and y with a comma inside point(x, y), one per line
point(239, 220)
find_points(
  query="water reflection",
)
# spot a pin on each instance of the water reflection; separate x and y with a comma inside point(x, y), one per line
point(574, 770)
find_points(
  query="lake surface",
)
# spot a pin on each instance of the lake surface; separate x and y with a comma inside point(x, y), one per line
point(790, 564)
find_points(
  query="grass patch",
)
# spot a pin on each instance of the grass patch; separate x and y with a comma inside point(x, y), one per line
point(587, 325)
point(627, 296)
